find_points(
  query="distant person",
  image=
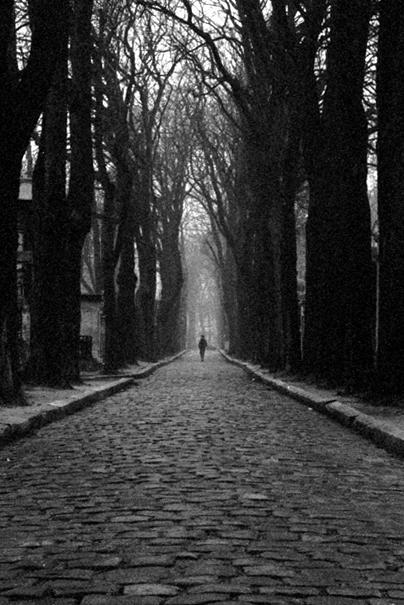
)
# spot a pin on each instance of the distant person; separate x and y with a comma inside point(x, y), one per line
point(202, 345)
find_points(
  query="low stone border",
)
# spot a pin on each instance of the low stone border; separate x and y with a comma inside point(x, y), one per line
point(134, 373)
point(369, 427)
point(56, 410)
point(159, 364)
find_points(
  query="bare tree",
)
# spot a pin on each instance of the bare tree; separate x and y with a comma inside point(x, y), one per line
point(22, 98)
point(113, 106)
point(217, 187)
point(48, 344)
point(245, 56)
point(133, 93)
point(339, 313)
point(63, 221)
point(172, 184)
point(80, 199)
point(390, 100)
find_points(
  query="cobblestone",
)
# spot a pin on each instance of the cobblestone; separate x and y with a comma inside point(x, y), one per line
point(200, 486)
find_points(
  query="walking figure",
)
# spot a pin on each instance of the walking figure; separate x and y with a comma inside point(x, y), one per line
point(202, 344)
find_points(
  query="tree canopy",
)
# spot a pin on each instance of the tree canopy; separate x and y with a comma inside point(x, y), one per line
point(267, 116)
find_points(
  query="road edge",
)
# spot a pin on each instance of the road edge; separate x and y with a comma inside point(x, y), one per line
point(367, 426)
point(56, 410)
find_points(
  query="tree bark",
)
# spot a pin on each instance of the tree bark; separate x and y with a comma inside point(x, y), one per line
point(291, 316)
point(338, 324)
point(47, 306)
point(168, 318)
point(81, 184)
point(390, 152)
point(146, 294)
point(10, 379)
point(229, 292)
point(21, 102)
point(126, 323)
point(147, 259)
point(264, 132)
point(111, 362)
point(264, 233)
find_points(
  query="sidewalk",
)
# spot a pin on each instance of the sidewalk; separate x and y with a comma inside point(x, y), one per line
point(46, 405)
point(384, 425)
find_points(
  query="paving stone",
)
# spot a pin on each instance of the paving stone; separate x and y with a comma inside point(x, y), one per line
point(196, 599)
point(194, 580)
point(48, 601)
point(28, 592)
point(256, 497)
point(209, 567)
point(187, 555)
point(62, 588)
point(9, 584)
point(132, 600)
point(135, 575)
point(153, 561)
point(365, 591)
point(66, 574)
point(268, 570)
point(336, 601)
point(227, 602)
point(150, 589)
point(202, 482)
point(275, 600)
point(102, 563)
point(220, 588)
point(245, 562)
point(386, 602)
point(129, 519)
point(297, 591)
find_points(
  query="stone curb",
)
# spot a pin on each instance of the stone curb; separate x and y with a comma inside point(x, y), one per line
point(369, 427)
point(155, 366)
point(56, 410)
point(139, 374)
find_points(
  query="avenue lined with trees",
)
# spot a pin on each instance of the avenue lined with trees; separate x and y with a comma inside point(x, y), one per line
point(232, 166)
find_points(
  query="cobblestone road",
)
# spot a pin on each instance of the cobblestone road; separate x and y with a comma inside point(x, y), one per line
point(200, 486)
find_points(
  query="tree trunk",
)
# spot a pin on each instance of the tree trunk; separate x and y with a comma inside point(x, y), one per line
point(170, 303)
point(265, 225)
point(147, 258)
point(291, 316)
point(146, 294)
point(126, 324)
point(81, 185)
point(111, 362)
point(10, 380)
point(337, 343)
point(182, 327)
point(390, 151)
point(229, 290)
point(245, 307)
point(10, 166)
point(126, 310)
point(108, 226)
point(21, 102)
point(47, 307)
point(97, 254)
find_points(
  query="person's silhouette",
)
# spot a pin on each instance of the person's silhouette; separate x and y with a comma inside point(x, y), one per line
point(202, 345)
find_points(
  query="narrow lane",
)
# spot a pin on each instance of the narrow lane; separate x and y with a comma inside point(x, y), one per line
point(200, 485)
